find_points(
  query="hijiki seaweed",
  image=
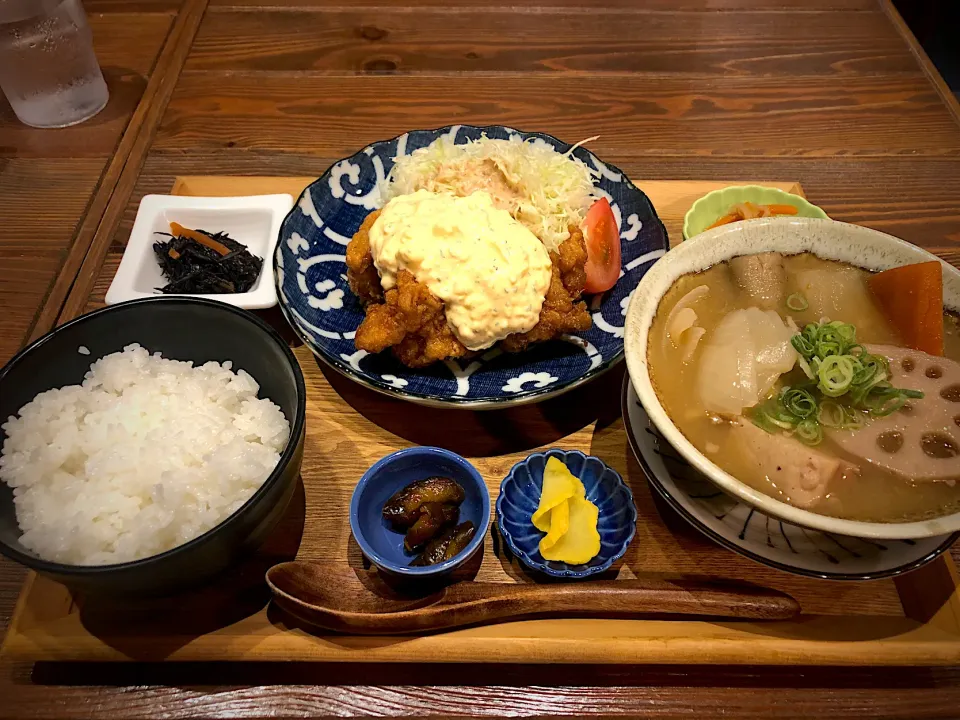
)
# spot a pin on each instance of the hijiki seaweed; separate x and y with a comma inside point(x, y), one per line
point(196, 261)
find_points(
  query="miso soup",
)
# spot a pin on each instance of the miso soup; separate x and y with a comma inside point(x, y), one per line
point(844, 421)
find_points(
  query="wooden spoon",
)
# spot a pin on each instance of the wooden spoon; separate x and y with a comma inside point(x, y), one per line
point(360, 602)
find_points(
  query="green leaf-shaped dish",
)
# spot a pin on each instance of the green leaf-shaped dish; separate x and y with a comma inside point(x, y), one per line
point(712, 206)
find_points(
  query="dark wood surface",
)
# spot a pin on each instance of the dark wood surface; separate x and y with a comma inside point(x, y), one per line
point(48, 177)
point(485, 40)
point(828, 92)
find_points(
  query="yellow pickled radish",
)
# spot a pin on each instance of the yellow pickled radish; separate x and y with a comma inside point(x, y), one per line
point(558, 486)
point(581, 542)
point(566, 516)
point(559, 519)
point(579, 491)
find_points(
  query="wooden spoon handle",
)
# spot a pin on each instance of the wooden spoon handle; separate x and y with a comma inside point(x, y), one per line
point(471, 603)
point(624, 598)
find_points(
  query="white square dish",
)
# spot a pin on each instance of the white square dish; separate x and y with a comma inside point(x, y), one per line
point(254, 221)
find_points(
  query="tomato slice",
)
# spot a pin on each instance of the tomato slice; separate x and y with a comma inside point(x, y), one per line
point(603, 247)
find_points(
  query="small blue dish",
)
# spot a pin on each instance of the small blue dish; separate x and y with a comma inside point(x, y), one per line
point(382, 545)
point(520, 496)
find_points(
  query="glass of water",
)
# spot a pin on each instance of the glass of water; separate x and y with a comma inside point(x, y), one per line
point(48, 70)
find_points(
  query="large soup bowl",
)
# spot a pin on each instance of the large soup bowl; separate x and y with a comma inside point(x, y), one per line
point(827, 239)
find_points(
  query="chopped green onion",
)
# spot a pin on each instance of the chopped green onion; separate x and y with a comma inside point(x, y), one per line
point(825, 339)
point(781, 419)
point(763, 421)
point(884, 399)
point(832, 340)
point(835, 374)
point(833, 414)
point(760, 420)
point(845, 330)
point(873, 368)
point(803, 345)
point(797, 302)
point(850, 384)
point(798, 401)
point(810, 432)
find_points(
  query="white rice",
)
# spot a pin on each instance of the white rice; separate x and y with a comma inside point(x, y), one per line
point(145, 455)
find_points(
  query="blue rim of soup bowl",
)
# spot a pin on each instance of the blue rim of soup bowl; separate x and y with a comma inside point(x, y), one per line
point(827, 239)
point(430, 570)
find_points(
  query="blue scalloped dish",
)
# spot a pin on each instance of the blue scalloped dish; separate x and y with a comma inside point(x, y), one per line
point(379, 542)
point(314, 295)
point(520, 496)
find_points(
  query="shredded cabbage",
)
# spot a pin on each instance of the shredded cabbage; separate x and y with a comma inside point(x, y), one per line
point(545, 190)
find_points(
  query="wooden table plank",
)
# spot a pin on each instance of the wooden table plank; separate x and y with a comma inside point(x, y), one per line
point(634, 115)
point(119, 178)
point(622, 5)
point(95, 139)
point(126, 46)
point(879, 150)
point(48, 176)
point(129, 41)
point(127, 6)
point(405, 41)
point(211, 690)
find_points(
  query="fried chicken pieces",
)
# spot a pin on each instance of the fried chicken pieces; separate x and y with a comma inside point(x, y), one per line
point(411, 320)
point(361, 272)
point(562, 312)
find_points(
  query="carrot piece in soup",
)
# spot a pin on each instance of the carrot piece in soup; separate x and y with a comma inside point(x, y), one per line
point(912, 299)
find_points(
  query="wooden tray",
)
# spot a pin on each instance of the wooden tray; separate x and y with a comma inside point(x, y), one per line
point(912, 620)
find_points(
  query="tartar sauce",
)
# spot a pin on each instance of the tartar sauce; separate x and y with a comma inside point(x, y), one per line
point(491, 272)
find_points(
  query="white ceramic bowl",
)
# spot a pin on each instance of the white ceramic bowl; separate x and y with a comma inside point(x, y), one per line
point(254, 221)
point(825, 238)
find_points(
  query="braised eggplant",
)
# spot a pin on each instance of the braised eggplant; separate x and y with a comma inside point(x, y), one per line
point(433, 518)
point(447, 545)
point(403, 509)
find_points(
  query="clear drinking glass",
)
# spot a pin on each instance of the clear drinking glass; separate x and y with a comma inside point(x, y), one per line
point(48, 70)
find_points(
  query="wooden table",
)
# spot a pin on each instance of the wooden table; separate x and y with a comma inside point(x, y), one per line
point(833, 93)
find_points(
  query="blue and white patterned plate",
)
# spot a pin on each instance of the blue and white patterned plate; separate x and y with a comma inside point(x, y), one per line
point(767, 540)
point(317, 301)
